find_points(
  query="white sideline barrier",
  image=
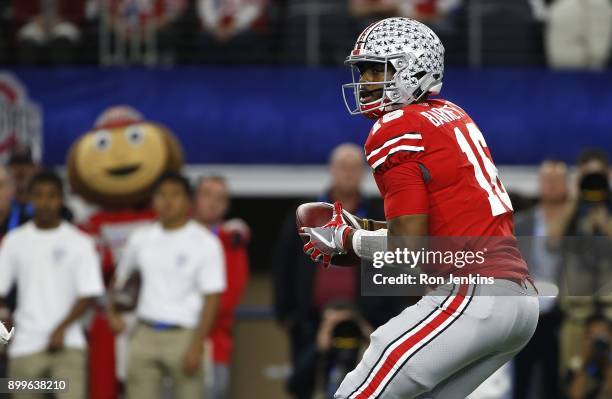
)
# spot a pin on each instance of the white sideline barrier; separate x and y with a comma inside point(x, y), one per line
point(303, 181)
point(297, 181)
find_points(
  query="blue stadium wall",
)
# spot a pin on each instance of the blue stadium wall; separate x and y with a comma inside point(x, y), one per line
point(257, 115)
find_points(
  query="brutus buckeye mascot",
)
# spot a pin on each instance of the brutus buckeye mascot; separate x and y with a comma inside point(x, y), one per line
point(113, 167)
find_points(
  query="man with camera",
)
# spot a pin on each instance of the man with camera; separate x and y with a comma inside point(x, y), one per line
point(592, 212)
point(590, 375)
point(585, 233)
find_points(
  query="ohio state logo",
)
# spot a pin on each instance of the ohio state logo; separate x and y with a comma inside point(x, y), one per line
point(20, 119)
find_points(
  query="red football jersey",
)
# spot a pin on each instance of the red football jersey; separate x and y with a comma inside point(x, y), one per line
point(431, 158)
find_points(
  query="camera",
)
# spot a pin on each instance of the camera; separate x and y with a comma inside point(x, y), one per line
point(347, 340)
point(594, 189)
point(594, 199)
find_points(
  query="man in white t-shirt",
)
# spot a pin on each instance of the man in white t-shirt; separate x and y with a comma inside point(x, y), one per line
point(182, 274)
point(57, 272)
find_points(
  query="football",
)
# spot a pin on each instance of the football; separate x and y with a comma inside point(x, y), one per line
point(316, 214)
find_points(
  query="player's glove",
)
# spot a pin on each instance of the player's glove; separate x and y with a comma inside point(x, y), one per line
point(328, 240)
point(5, 335)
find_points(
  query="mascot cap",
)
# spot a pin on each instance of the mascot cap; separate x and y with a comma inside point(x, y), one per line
point(118, 116)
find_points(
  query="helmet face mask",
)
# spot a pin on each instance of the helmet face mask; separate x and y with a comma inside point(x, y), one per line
point(417, 59)
point(354, 90)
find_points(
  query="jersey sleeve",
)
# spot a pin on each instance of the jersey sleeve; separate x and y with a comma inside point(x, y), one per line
point(405, 190)
point(397, 135)
point(396, 150)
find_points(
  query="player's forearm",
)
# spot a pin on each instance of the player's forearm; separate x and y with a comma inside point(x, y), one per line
point(78, 310)
point(406, 231)
point(207, 318)
point(374, 241)
point(353, 240)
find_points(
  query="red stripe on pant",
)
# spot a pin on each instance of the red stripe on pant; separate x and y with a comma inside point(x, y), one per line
point(410, 342)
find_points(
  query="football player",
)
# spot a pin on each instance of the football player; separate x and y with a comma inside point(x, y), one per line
point(437, 178)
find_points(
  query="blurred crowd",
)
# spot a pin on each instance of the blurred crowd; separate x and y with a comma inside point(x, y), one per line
point(560, 33)
point(569, 355)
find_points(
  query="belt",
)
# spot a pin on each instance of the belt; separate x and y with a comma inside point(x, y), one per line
point(160, 325)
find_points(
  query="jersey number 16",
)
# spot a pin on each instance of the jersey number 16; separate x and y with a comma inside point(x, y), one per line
point(496, 193)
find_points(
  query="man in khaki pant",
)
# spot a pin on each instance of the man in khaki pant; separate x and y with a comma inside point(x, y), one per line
point(66, 365)
point(182, 274)
point(57, 272)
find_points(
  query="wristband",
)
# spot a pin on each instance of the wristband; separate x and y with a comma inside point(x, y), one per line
point(366, 249)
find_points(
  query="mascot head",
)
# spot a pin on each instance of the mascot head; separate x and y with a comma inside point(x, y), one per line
point(117, 162)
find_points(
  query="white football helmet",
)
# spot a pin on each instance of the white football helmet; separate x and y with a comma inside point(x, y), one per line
point(414, 51)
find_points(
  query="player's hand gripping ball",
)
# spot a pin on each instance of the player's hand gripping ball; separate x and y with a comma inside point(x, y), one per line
point(324, 228)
